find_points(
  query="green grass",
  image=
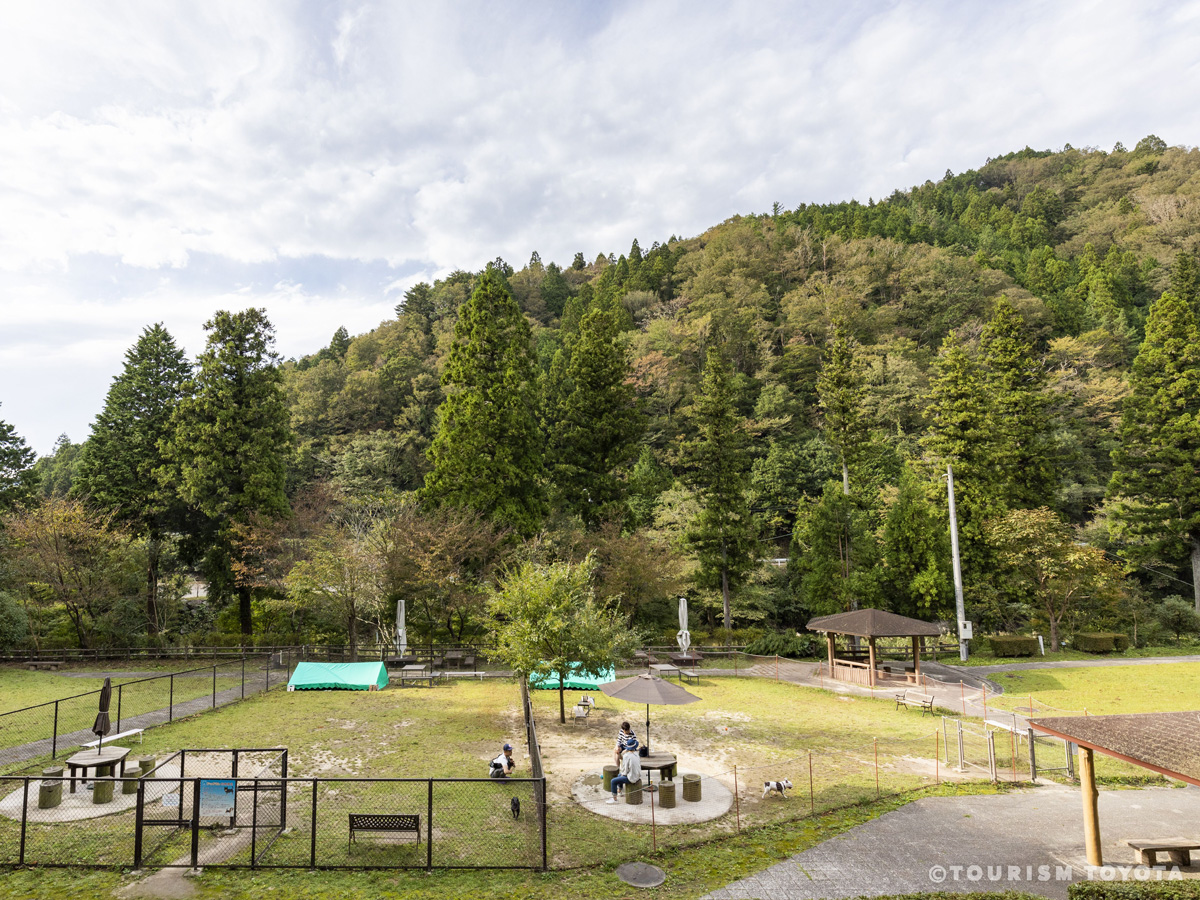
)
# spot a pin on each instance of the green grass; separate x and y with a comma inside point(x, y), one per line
point(985, 657)
point(1100, 690)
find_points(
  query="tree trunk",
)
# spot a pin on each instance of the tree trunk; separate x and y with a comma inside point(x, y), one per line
point(1053, 635)
point(562, 703)
point(845, 479)
point(1196, 573)
point(154, 550)
point(725, 589)
point(352, 630)
point(244, 614)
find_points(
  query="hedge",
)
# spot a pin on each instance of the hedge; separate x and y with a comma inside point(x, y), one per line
point(1134, 890)
point(1100, 642)
point(1013, 645)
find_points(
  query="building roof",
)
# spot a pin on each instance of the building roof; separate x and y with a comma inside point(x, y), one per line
point(874, 623)
point(1167, 743)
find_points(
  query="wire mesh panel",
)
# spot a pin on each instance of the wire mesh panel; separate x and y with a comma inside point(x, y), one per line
point(486, 822)
point(74, 831)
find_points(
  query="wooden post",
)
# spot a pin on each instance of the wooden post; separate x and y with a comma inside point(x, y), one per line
point(917, 660)
point(829, 641)
point(871, 660)
point(1091, 812)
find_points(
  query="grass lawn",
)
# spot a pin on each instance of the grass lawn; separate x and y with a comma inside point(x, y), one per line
point(985, 658)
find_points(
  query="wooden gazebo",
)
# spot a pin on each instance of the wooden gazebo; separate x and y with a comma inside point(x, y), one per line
point(869, 624)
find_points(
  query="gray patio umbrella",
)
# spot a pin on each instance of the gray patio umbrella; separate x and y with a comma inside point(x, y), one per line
point(648, 689)
point(102, 726)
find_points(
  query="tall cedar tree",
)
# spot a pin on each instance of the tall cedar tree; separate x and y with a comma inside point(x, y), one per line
point(835, 558)
point(487, 453)
point(916, 551)
point(1016, 387)
point(597, 423)
point(118, 462)
point(841, 389)
point(230, 439)
point(718, 460)
point(1157, 475)
point(18, 480)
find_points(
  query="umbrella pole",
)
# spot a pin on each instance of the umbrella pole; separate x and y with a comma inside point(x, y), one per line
point(647, 726)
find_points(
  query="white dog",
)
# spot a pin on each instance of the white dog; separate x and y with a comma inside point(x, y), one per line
point(777, 787)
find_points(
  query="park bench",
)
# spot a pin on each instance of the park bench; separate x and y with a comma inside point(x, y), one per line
point(1177, 850)
point(392, 823)
point(581, 713)
point(690, 675)
point(915, 698)
point(40, 664)
point(116, 737)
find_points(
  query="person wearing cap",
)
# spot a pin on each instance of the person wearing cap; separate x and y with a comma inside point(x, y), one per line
point(631, 768)
point(503, 764)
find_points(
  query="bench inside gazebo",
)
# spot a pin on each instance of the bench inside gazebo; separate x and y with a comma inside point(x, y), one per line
point(854, 666)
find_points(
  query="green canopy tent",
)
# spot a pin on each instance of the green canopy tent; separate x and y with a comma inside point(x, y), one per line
point(577, 680)
point(316, 676)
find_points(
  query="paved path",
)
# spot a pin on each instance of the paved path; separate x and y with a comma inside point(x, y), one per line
point(1009, 837)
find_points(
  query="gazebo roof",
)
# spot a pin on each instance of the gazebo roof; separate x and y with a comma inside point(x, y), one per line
point(1167, 743)
point(874, 623)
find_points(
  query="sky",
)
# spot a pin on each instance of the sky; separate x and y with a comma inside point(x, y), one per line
point(159, 162)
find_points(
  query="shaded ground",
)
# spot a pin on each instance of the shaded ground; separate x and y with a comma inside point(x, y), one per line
point(1009, 837)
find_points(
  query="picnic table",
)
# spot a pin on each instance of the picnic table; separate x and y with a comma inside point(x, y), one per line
point(416, 672)
point(687, 659)
point(664, 763)
point(665, 670)
point(95, 759)
point(397, 662)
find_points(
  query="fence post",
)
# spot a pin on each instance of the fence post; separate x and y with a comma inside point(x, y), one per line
point(283, 792)
point(25, 819)
point(119, 693)
point(214, 703)
point(653, 829)
point(429, 830)
point(254, 829)
point(196, 821)
point(962, 756)
point(937, 756)
point(243, 677)
point(812, 800)
point(54, 735)
point(737, 807)
point(991, 746)
point(139, 819)
point(171, 712)
point(312, 862)
point(875, 742)
point(1070, 759)
point(1032, 757)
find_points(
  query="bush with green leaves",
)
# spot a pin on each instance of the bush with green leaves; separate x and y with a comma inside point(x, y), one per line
point(1100, 642)
point(791, 646)
point(14, 626)
point(1013, 645)
point(1178, 616)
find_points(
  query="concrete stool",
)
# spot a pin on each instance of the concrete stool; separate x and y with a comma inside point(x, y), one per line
point(146, 763)
point(50, 792)
point(691, 788)
point(129, 784)
point(102, 785)
point(633, 793)
point(610, 772)
point(666, 794)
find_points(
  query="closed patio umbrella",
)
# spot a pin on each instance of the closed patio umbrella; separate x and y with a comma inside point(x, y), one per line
point(102, 726)
point(648, 689)
point(684, 637)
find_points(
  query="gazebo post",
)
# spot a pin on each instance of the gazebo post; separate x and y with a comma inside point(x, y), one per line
point(917, 659)
point(1091, 812)
point(829, 641)
point(871, 658)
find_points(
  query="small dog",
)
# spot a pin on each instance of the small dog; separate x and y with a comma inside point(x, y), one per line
point(776, 787)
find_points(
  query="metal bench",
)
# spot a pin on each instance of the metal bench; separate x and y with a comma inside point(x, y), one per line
point(390, 823)
point(1178, 850)
point(581, 713)
point(915, 698)
point(116, 737)
point(690, 675)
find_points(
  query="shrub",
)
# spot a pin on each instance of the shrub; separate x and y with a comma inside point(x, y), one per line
point(1100, 641)
point(1177, 616)
point(1134, 890)
point(14, 626)
point(792, 646)
point(1013, 645)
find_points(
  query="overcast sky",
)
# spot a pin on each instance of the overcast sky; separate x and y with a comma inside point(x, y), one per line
point(162, 161)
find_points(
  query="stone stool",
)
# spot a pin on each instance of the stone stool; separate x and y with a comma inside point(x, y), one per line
point(102, 785)
point(666, 794)
point(691, 788)
point(129, 784)
point(50, 792)
point(610, 772)
point(633, 793)
point(146, 763)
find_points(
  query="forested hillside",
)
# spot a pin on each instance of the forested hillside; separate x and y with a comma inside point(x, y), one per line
point(785, 387)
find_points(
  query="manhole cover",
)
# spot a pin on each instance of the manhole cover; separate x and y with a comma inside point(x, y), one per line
point(641, 875)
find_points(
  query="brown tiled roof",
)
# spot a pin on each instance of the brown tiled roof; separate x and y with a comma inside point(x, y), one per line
point(874, 623)
point(1168, 743)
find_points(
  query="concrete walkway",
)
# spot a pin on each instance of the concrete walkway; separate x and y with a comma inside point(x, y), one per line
point(1009, 838)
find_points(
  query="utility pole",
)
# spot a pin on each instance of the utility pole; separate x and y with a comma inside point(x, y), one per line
point(958, 588)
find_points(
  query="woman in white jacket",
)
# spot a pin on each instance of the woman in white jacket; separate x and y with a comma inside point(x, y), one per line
point(631, 770)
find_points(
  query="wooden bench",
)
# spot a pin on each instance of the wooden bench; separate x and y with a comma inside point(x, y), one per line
point(915, 698)
point(581, 713)
point(391, 823)
point(37, 665)
point(692, 676)
point(116, 737)
point(1177, 850)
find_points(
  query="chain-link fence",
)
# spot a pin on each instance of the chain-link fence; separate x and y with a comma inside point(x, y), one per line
point(58, 726)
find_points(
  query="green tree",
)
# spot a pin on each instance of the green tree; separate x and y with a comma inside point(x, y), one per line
point(118, 463)
point(228, 443)
point(834, 557)
point(14, 623)
point(597, 424)
point(841, 388)
point(487, 453)
point(56, 472)
point(1177, 616)
point(1053, 570)
point(549, 622)
point(18, 480)
point(1157, 465)
point(916, 553)
point(718, 470)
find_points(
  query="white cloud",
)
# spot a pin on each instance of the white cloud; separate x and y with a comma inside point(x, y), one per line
point(181, 157)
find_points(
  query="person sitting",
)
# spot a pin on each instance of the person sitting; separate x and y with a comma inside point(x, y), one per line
point(623, 737)
point(631, 769)
point(502, 765)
